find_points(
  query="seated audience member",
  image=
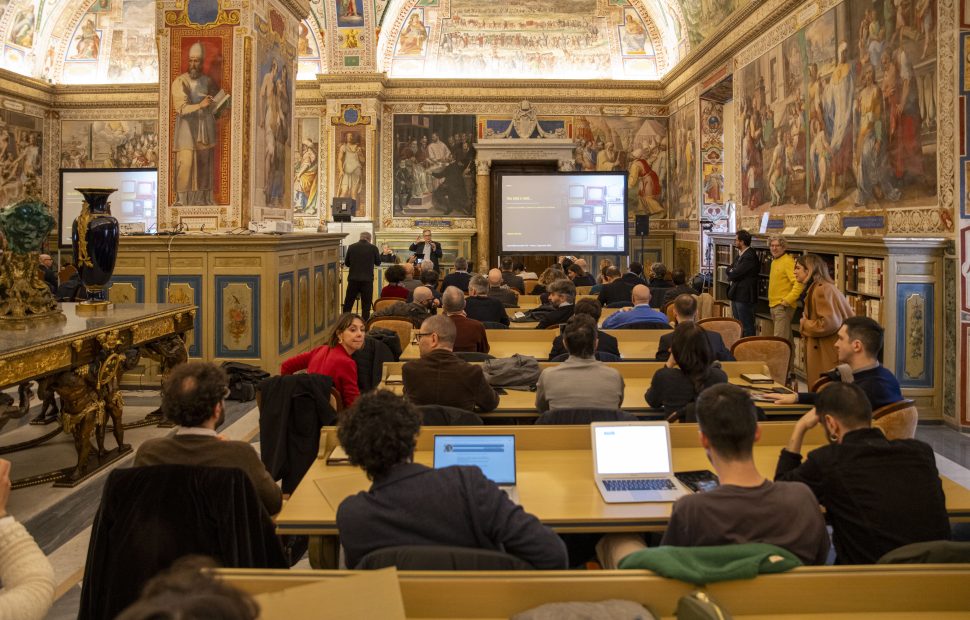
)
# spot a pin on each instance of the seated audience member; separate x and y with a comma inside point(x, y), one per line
point(616, 289)
point(519, 270)
point(498, 290)
point(658, 284)
point(459, 277)
point(609, 274)
point(878, 494)
point(640, 313)
point(550, 275)
point(605, 342)
point(193, 396)
point(429, 279)
point(333, 359)
point(442, 378)
point(579, 276)
point(605, 263)
point(188, 590)
point(689, 371)
point(409, 282)
point(746, 507)
point(480, 306)
point(680, 287)
point(394, 275)
point(469, 333)
point(27, 574)
point(511, 280)
point(49, 273)
point(416, 311)
point(634, 275)
point(580, 381)
point(685, 307)
point(858, 346)
point(413, 504)
point(387, 254)
point(562, 295)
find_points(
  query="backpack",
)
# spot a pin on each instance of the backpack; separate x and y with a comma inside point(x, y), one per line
point(243, 379)
point(517, 372)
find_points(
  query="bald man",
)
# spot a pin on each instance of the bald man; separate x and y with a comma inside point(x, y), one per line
point(497, 289)
point(469, 334)
point(195, 138)
point(641, 312)
point(50, 274)
point(416, 311)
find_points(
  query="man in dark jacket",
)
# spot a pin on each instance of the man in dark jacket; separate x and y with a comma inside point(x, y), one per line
point(680, 287)
point(878, 494)
point(658, 284)
point(427, 250)
point(743, 276)
point(511, 280)
point(605, 342)
point(442, 378)
point(562, 296)
point(480, 306)
point(413, 504)
point(618, 289)
point(459, 277)
point(685, 306)
point(360, 259)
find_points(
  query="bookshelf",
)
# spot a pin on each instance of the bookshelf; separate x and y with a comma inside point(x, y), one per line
point(897, 282)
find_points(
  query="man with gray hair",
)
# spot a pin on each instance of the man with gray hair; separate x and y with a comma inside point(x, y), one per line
point(195, 139)
point(562, 296)
point(410, 282)
point(783, 289)
point(459, 277)
point(469, 333)
point(442, 378)
point(480, 306)
point(360, 260)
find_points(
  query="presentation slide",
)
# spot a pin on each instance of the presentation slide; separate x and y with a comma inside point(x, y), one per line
point(572, 213)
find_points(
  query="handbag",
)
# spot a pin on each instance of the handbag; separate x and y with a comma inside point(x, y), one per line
point(516, 372)
point(700, 606)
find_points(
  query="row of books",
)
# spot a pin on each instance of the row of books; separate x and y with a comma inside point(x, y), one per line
point(865, 306)
point(863, 275)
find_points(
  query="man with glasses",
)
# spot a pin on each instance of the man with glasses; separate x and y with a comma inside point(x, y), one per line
point(193, 396)
point(442, 378)
point(426, 250)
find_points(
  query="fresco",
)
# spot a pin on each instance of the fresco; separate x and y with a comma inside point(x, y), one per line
point(200, 74)
point(705, 17)
point(274, 117)
point(349, 13)
point(309, 59)
point(350, 161)
point(109, 144)
point(842, 114)
point(684, 174)
point(306, 155)
point(434, 165)
point(21, 147)
point(712, 152)
point(637, 145)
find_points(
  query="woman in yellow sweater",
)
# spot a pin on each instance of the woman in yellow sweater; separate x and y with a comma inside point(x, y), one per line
point(783, 288)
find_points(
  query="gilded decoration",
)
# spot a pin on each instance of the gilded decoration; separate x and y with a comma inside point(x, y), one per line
point(34, 363)
point(303, 306)
point(237, 322)
point(319, 301)
point(914, 320)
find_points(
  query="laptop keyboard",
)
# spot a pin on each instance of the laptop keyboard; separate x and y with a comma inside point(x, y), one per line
point(650, 484)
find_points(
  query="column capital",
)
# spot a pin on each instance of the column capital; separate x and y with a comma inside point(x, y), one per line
point(483, 167)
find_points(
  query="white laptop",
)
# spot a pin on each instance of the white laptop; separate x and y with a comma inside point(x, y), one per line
point(632, 462)
point(493, 454)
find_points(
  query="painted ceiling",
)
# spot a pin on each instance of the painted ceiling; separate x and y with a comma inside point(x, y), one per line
point(112, 41)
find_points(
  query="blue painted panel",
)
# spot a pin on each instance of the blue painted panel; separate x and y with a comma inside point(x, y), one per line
point(332, 285)
point(247, 311)
point(303, 273)
point(319, 326)
point(286, 312)
point(137, 282)
point(922, 341)
point(195, 283)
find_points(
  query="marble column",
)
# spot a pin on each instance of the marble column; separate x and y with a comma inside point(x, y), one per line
point(483, 212)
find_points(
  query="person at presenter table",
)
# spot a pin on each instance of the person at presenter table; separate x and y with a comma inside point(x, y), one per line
point(426, 249)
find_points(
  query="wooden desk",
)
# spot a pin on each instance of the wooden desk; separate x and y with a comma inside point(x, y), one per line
point(634, 344)
point(927, 592)
point(512, 311)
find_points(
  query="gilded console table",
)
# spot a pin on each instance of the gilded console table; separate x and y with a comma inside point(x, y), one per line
point(81, 359)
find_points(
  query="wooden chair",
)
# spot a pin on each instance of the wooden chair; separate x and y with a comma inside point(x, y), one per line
point(773, 351)
point(400, 325)
point(730, 329)
point(668, 309)
point(386, 302)
point(820, 383)
point(897, 420)
point(65, 273)
point(530, 286)
point(583, 290)
point(705, 306)
point(336, 400)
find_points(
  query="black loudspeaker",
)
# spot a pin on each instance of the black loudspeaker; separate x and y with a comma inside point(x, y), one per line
point(343, 209)
point(642, 226)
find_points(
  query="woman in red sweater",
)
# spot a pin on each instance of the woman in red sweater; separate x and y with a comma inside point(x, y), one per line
point(333, 359)
point(394, 275)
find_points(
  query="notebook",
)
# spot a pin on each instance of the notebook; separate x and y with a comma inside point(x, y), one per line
point(632, 462)
point(493, 454)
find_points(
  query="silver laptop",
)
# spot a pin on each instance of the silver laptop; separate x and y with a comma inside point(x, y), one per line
point(632, 462)
point(493, 454)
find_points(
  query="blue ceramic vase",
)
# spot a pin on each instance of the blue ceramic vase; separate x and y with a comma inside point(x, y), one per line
point(95, 235)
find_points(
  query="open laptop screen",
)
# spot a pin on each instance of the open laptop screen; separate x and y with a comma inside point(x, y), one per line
point(493, 454)
point(632, 449)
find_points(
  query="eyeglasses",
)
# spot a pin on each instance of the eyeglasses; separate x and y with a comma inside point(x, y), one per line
point(417, 336)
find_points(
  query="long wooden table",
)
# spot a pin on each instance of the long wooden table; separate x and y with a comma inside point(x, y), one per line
point(927, 592)
point(519, 405)
point(512, 312)
point(635, 344)
point(554, 466)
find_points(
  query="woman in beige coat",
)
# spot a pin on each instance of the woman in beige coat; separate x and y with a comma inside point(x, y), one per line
point(825, 310)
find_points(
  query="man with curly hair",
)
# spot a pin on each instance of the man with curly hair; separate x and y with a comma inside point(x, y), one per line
point(193, 396)
point(413, 504)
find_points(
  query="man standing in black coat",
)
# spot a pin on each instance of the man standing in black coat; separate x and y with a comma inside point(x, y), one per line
point(426, 249)
point(360, 259)
point(743, 276)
